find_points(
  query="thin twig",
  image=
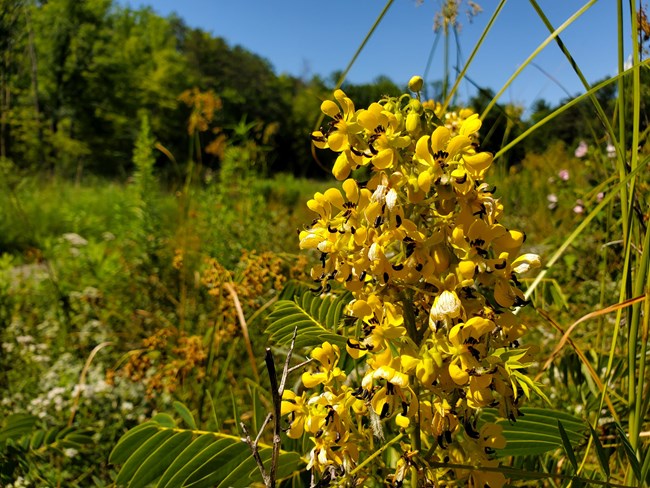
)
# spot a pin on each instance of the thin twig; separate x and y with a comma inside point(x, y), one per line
point(277, 391)
point(285, 371)
point(298, 366)
point(277, 402)
point(254, 450)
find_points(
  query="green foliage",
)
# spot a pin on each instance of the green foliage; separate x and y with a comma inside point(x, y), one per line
point(538, 431)
point(316, 318)
point(160, 452)
point(24, 440)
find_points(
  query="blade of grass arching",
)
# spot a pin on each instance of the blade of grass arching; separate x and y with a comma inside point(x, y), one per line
point(478, 44)
point(211, 355)
point(345, 73)
point(244, 328)
point(599, 109)
point(213, 413)
point(565, 336)
point(356, 54)
point(621, 161)
point(534, 54)
point(585, 361)
point(564, 108)
point(429, 60)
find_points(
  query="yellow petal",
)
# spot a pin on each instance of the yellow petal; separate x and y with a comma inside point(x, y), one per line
point(504, 294)
point(456, 145)
point(334, 196)
point(467, 269)
point(422, 149)
point(478, 163)
point(329, 108)
point(384, 159)
point(457, 374)
point(402, 421)
point(472, 124)
point(360, 309)
point(342, 167)
point(510, 240)
point(313, 379)
point(338, 141)
point(439, 139)
point(424, 181)
point(368, 119)
point(409, 363)
point(351, 190)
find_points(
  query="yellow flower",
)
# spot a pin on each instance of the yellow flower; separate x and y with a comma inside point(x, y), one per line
point(297, 407)
point(328, 356)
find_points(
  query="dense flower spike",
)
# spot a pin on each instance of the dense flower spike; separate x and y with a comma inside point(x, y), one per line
point(416, 237)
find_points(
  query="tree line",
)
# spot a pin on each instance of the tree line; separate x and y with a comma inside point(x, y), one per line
point(75, 76)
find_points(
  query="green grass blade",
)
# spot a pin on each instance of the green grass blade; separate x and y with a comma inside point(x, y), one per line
point(185, 414)
point(568, 448)
point(602, 456)
point(534, 54)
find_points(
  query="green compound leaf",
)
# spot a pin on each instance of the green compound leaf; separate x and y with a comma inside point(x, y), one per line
point(317, 319)
point(536, 431)
point(24, 431)
point(17, 425)
point(163, 456)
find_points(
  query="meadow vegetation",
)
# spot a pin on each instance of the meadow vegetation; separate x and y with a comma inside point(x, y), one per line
point(161, 326)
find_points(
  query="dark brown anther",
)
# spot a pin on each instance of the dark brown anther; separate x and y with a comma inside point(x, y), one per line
point(385, 411)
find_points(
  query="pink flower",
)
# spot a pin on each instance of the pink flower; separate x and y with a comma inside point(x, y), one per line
point(579, 208)
point(581, 150)
point(564, 174)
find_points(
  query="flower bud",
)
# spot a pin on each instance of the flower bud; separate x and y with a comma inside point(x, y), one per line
point(415, 106)
point(415, 83)
point(413, 122)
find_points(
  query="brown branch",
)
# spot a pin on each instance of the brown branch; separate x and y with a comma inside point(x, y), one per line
point(277, 389)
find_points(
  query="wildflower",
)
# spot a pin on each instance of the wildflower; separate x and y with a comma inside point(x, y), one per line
point(579, 207)
point(581, 150)
point(327, 355)
point(552, 201)
point(74, 239)
point(611, 150)
point(564, 174)
point(433, 276)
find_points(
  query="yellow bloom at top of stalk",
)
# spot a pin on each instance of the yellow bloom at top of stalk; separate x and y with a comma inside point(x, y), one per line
point(416, 237)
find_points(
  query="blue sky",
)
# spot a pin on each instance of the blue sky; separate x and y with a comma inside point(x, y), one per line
point(306, 37)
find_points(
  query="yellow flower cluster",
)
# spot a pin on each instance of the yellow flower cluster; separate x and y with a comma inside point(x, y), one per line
point(416, 236)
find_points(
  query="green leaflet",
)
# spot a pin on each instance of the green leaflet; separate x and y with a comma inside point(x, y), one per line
point(536, 431)
point(165, 456)
point(23, 429)
point(316, 318)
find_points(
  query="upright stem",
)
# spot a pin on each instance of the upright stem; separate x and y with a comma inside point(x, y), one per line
point(445, 81)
